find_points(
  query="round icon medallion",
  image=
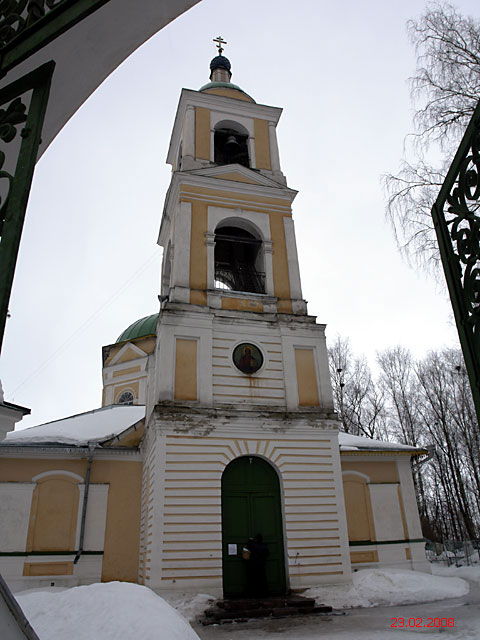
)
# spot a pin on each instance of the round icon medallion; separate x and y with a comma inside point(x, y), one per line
point(247, 357)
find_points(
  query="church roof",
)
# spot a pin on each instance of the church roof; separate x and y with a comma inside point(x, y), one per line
point(348, 442)
point(101, 425)
point(96, 426)
point(140, 328)
point(224, 85)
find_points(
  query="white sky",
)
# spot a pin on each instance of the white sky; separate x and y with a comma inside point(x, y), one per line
point(89, 265)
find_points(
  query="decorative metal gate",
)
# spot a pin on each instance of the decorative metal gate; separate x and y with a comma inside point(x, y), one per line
point(457, 225)
point(22, 110)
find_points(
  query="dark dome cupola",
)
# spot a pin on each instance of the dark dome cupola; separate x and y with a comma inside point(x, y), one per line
point(221, 74)
point(220, 69)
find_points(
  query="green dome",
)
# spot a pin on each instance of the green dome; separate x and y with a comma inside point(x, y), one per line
point(224, 85)
point(143, 327)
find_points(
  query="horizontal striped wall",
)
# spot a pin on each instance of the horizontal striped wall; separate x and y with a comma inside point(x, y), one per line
point(231, 386)
point(146, 518)
point(192, 520)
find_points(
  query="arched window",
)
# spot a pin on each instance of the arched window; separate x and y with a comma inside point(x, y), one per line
point(231, 144)
point(54, 511)
point(238, 260)
point(126, 397)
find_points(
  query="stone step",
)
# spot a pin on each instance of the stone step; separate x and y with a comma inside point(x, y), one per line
point(271, 607)
point(268, 602)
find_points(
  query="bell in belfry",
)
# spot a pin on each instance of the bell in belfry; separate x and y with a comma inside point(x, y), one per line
point(232, 143)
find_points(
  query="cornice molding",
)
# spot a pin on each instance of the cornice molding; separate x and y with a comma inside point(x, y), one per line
point(383, 453)
point(56, 452)
point(182, 178)
point(258, 421)
point(252, 174)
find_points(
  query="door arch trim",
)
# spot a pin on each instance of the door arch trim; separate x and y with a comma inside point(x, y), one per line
point(252, 502)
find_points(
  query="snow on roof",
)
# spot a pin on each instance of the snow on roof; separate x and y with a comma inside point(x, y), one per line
point(106, 423)
point(93, 426)
point(348, 442)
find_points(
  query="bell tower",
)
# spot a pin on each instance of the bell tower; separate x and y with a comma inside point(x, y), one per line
point(228, 203)
point(241, 436)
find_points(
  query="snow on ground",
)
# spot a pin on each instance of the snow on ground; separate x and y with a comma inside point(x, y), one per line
point(190, 606)
point(455, 618)
point(125, 611)
point(389, 587)
point(469, 573)
point(108, 611)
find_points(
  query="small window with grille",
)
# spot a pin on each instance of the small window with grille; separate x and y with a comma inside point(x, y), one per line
point(126, 397)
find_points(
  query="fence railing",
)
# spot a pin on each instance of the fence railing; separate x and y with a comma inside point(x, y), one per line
point(458, 553)
point(240, 277)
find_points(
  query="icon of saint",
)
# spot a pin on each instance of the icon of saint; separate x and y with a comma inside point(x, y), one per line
point(248, 362)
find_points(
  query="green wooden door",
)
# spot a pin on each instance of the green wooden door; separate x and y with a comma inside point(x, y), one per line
point(251, 504)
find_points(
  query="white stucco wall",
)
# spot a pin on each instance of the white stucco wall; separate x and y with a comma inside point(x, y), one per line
point(15, 502)
point(387, 515)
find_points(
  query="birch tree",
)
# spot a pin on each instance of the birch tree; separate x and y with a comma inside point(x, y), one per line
point(444, 90)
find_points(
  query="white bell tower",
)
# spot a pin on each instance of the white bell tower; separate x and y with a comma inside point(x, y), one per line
point(241, 373)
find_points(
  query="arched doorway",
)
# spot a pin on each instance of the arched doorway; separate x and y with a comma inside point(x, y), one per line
point(251, 504)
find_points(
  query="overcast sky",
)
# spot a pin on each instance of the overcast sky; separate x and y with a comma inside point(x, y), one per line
point(89, 264)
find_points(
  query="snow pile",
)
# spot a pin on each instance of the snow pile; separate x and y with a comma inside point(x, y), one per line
point(191, 606)
point(109, 611)
point(388, 587)
point(93, 426)
point(468, 573)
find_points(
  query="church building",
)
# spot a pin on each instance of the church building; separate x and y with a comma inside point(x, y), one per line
point(217, 420)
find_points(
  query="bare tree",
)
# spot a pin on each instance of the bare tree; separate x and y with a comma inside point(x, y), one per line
point(340, 360)
point(405, 422)
point(437, 381)
point(445, 90)
point(397, 376)
point(358, 400)
point(422, 403)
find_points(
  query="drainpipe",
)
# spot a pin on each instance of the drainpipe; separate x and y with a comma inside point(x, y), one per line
point(431, 450)
point(91, 448)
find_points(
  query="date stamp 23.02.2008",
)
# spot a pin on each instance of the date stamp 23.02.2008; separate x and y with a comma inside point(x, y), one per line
point(421, 623)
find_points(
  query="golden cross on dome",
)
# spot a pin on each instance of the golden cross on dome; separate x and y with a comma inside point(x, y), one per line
point(220, 41)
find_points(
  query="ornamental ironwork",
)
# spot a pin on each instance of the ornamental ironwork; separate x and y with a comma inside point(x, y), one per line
point(457, 225)
point(464, 222)
point(239, 277)
point(13, 115)
point(20, 157)
point(26, 26)
point(18, 15)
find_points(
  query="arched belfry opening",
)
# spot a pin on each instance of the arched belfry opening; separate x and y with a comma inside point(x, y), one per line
point(238, 260)
point(231, 144)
